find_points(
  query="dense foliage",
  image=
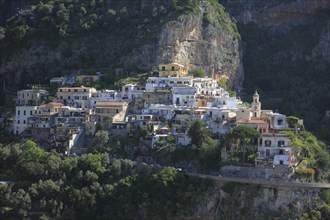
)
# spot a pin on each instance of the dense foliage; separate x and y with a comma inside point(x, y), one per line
point(92, 187)
point(203, 152)
point(78, 31)
point(311, 154)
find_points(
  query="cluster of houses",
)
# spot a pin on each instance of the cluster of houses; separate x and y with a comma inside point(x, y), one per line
point(167, 105)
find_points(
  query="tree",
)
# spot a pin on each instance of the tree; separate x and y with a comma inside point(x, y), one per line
point(198, 73)
point(92, 162)
point(18, 203)
point(19, 33)
point(100, 141)
point(198, 133)
point(246, 135)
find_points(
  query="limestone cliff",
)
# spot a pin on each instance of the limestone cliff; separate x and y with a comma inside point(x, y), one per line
point(134, 40)
point(238, 201)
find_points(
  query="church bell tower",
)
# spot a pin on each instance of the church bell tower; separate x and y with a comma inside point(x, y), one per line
point(256, 105)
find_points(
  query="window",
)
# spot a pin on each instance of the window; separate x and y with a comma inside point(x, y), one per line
point(30, 112)
point(268, 143)
point(260, 141)
point(172, 68)
point(24, 122)
point(18, 112)
point(280, 122)
point(163, 68)
point(18, 121)
point(280, 143)
point(24, 113)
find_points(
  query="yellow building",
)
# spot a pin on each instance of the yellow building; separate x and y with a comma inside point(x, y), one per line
point(172, 70)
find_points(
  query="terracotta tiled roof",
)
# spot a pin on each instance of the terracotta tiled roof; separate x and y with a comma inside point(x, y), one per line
point(56, 103)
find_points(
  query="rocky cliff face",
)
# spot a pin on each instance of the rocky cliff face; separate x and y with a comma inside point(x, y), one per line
point(251, 202)
point(186, 38)
point(286, 54)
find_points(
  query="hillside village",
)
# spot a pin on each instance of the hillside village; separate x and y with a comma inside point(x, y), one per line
point(166, 105)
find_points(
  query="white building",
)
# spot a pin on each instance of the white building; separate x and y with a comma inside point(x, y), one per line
point(31, 97)
point(224, 103)
point(105, 96)
point(219, 120)
point(44, 115)
point(277, 121)
point(58, 80)
point(212, 92)
point(130, 91)
point(205, 83)
point(165, 111)
point(21, 117)
point(78, 97)
point(143, 120)
point(244, 114)
point(70, 116)
point(154, 82)
point(157, 138)
point(185, 96)
point(275, 146)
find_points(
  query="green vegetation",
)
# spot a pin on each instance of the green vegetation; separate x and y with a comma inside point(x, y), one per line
point(204, 151)
point(82, 35)
point(222, 82)
point(221, 19)
point(322, 208)
point(90, 186)
point(197, 73)
point(244, 136)
point(312, 155)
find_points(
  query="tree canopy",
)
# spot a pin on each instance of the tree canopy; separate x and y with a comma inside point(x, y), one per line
point(198, 73)
point(245, 134)
point(198, 133)
point(92, 187)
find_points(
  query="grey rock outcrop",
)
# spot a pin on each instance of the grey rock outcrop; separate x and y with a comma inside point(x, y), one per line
point(187, 39)
point(252, 202)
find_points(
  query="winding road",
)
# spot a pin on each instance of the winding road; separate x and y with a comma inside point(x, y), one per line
point(266, 183)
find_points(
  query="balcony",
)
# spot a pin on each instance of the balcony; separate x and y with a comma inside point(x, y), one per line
point(217, 120)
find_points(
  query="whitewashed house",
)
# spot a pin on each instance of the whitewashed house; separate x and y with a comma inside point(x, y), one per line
point(185, 96)
point(276, 147)
point(131, 91)
point(78, 97)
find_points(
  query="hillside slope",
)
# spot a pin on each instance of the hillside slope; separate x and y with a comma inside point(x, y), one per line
point(63, 36)
point(287, 54)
